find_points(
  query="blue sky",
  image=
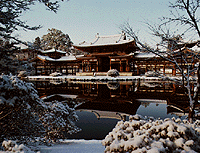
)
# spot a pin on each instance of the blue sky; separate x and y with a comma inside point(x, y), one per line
point(82, 19)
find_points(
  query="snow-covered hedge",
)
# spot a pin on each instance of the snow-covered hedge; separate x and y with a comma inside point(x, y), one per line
point(55, 74)
point(113, 73)
point(152, 74)
point(151, 135)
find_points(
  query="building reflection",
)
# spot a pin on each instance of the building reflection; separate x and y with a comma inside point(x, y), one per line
point(118, 99)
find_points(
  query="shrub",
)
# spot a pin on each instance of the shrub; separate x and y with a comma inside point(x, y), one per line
point(113, 73)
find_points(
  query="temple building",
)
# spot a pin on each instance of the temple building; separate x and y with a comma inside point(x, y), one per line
point(118, 52)
point(107, 52)
point(111, 52)
point(53, 60)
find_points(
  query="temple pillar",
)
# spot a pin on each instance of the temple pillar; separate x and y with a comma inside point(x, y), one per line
point(174, 70)
point(155, 67)
point(110, 64)
point(127, 66)
point(45, 68)
point(138, 70)
point(121, 68)
point(67, 69)
point(97, 67)
point(82, 66)
point(164, 68)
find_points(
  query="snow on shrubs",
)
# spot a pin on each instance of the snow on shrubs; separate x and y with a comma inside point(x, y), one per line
point(58, 119)
point(12, 146)
point(18, 102)
point(24, 115)
point(149, 135)
point(113, 73)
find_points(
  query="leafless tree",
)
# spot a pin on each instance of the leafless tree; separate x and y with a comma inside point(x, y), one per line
point(173, 49)
point(177, 52)
point(185, 13)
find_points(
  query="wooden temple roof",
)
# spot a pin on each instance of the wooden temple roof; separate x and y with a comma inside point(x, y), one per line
point(109, 43)
point(53, 50)
point(69, 58)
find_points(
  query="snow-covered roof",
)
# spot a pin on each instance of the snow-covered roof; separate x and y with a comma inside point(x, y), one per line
point(52, 51)
point(196, 48)
point(22, 46)
point(106, 40)
point(63, 58)
point(145, 55)
point(62, 95)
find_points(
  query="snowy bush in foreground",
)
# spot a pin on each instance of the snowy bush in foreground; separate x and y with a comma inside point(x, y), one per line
point(59, 119)
point(23, 115)
point(147, 135)
point(12, 146)
point(19, 104)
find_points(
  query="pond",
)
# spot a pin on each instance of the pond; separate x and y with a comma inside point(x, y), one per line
point(105, 103)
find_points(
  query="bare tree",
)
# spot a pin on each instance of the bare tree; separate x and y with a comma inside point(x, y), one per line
point(178, 53)
point(185, 13)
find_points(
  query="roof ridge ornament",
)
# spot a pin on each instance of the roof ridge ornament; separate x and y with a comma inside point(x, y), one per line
point(122, 35)
point(97, 36)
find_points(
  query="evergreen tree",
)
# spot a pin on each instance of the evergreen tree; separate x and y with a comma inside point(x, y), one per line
point(56, 39)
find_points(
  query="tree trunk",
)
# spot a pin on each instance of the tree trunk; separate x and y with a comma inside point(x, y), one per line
point(191, 109)
point(191, 114)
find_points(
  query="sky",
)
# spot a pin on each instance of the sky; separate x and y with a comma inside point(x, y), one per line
point(83, 19)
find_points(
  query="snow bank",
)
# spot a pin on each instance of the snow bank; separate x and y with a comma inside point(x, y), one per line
point(12, 146)
point(141, 134)
point(75, 146)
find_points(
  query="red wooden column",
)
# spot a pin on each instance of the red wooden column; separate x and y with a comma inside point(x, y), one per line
point(121, 68)
point(164, 67)
point(174, 70)
point(110, 64)
point(45, 70)
point(97, 67)
point(90, 66)
point(83, 66)
point(138, 69)
point(155, 66)
point(127, 66)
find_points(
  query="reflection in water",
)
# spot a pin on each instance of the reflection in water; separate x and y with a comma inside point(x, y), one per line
point(113, 85)
point(106, 103)
point(111, 109)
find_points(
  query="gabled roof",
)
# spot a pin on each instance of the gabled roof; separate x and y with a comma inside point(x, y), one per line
point(106, 40)
point(52, 51)
point(63, 58)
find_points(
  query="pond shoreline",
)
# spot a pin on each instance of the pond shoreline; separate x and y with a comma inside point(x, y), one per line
point(67, 78)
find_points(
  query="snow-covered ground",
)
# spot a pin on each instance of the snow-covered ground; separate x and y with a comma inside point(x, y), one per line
point(66, 146)
point(75, 146)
